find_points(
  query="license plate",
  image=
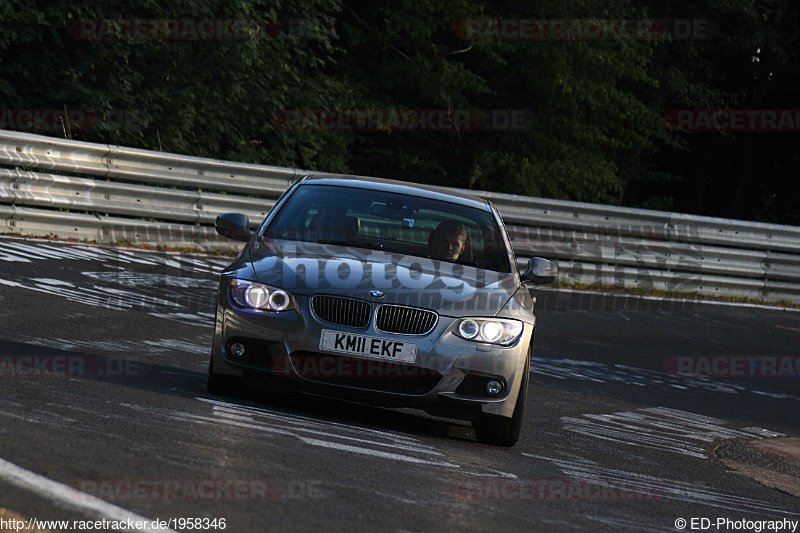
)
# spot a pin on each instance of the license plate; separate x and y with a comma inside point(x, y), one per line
point(366, 346)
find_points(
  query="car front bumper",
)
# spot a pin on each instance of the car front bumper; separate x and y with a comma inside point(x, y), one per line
point(448, 376)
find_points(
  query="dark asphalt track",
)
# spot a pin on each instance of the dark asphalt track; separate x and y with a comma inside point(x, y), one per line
point(604, 409)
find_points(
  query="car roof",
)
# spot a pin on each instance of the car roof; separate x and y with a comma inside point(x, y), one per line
point(400, 187)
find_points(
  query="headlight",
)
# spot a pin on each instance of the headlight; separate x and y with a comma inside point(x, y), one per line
point(252, 295)
point(489, 330)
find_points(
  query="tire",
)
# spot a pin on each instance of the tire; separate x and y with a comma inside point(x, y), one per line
point(222, 384)
point(500, 430)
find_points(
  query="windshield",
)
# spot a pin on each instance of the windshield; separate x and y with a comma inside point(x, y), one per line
point(392, 222)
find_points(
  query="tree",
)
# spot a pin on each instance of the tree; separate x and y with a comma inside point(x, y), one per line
point(745, 58)
point(181, 90)
point(582, 123)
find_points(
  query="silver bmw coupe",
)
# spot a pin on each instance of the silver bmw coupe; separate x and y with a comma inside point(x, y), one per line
point(381, 292)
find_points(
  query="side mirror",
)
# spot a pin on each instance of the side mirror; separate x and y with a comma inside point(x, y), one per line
point(234, 226)
point(540, 271)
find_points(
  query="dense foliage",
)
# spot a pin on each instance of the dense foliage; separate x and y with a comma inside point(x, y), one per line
point(322, 84)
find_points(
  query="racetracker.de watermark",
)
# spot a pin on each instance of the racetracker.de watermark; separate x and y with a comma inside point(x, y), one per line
point(558, 490)
point(74, 120)
point(733, 119)
point(748, 366)
point(583, 29)
point(461, 120)
point(368, 366)
point(228, 490)
point(70, 366)
point(194, 29)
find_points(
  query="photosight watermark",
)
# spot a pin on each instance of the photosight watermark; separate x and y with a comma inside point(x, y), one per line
point(643, 256)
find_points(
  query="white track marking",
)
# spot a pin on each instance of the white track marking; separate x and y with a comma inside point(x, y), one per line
point(68, 497)
point(6, 257)
point(667, 489)
point(375, 453)
point(138, 279)
point(319, 433)
point(183, 299)
point(156, 347)
point(325, 434)
point(639, 377)
point(660, 428)
point(27, 251)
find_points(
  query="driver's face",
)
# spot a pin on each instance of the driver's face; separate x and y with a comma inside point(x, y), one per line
point(449, 248)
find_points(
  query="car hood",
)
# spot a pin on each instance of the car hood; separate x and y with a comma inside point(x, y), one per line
point(450, 289)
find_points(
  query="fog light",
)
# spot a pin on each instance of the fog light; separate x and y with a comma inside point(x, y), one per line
point(494, 387)
point(237, 349)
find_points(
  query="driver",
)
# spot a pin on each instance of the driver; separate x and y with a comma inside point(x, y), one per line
point(448, 241)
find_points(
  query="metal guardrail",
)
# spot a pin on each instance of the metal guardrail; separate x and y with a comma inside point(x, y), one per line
point(111, 193)
point(32, 189)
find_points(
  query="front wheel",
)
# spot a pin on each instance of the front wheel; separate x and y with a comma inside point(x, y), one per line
point(500, 430)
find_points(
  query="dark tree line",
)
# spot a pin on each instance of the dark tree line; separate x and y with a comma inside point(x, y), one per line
point(321, 84)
